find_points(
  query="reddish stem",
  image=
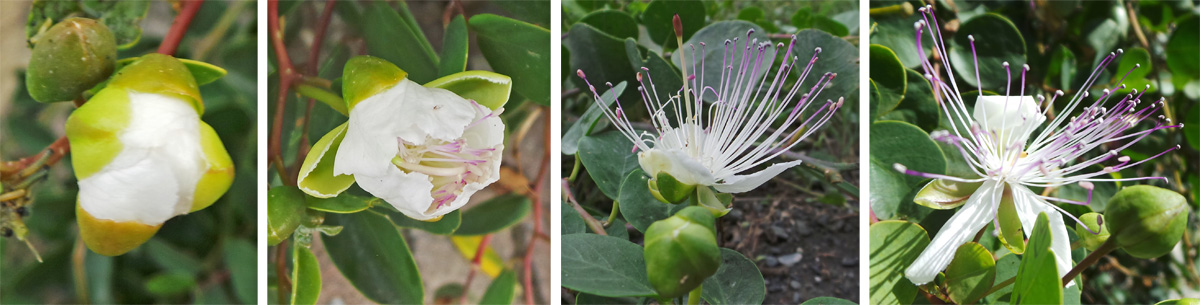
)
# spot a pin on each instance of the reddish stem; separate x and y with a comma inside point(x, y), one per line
point(314, 57)
point(287, 74)
point(285, 284)
point(179, 27)
point(538, 194)
point(475, 262)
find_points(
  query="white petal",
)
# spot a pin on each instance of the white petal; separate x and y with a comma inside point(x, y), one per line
point(677, 164)
point(1011, 117)
point(407, 192)
point(745, 183)
point(978, 211)
point(154, 176)
point(1028, 207)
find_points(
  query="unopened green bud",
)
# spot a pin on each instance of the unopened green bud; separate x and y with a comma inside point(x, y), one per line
point(681, 251)
point(667, 189)
point(285, 211)
point(71, 57)
point(1095, 234)
point(1147, 221)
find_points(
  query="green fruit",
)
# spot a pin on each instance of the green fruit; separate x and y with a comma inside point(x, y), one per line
point(70, 58)
point(1146, 221)
point(681, 251)
point(1095, 222)
point(285, 211)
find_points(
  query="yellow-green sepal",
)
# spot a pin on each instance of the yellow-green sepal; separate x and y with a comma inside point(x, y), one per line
point(365, 76)
point(717, 203)
point(316, 176)
point(220, 173)
point(487, 88)
point(941, 194)
point(160, 74)
point(1011, 232)
point(111, 238)
point(93, 130)
point(667, 189)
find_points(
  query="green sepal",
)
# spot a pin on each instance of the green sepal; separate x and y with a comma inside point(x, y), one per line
point(71, 57)
point(316, 176)
point(1095, 222)
point(1011, 230)
point(667, 189)
point(487, 88)
point(93, 131)
point(159, 74)
point(718, 204)
point(941, 194)
point(681, 252)
point(365, 76)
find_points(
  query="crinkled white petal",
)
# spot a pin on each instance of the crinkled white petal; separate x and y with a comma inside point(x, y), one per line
point(1028, 207)
point(977, 212)
point(745, 183)
point(406, 111)
point(1013, 118)
point(677, 164)
point(154, 176)
point(407, 192)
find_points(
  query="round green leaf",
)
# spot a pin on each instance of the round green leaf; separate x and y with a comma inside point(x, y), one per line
point(374, 257)
point(1135, 61)
point(285, 211)
point(971, 273)
point(597, 54)
point(608, 158)
point(1182, 48)
point(890, 77)
point(714, 56)
point(572, 222)
point(494, 215)
point(589, 119)
point(613, 22)
point(804, 18)
point(896, 33)
point(899, 142)
point(501, 290)
point(306, 276)
point(837, 56)
point(519, 50)
point(888, 189)
point(659, 15)
point(737, 281)
point(604, 266)
point(918, 100)
point(996, 41)
point(827, 301)
point(894, 246)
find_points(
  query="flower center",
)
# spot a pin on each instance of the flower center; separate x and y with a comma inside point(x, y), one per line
point(450, 165)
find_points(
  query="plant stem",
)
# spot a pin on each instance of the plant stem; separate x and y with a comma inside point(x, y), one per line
point(475, 262)
point(904, 9)
point(694, 296)
point(539, 193)
point(587, 218)
point(612, 215)
point(287, 73)
point(179, 27)
point(48, 157)
point(281, 273)
point(1003, 284)
point(1091, 259)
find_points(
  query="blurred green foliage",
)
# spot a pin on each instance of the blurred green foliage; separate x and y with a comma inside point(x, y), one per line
point(206, 257)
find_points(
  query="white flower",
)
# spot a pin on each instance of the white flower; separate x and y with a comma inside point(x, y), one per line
point(423, 150)
point(1000, 146)
point(737, 134)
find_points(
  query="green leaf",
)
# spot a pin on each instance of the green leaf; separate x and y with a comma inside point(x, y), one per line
point(572, 222)
point(604, 266)
point(589, 119)
point(170, 284)
point(590, 299)
point(888, 189)
point(659, 15)
point(612, 22)
point(454, 47)
point(374, 257)
point(1192, 134)
point(737, 281)
point(445, 226)
point(242, 262)
point(99, 270)
point(659, 70)
point(494, 215)
point(343, 204)
point(1037, 279)
point(889, 77)
point(1182, 48)
point(502, 289)
point(827, 301)
point(608, 158)
point(1135, 61)
point(941, 194)
point(918, 99)
point(519, 50)
point(837, 56)
point(896, 33)
point(805, 18)
point(285, 212)
point(899, 142)
point(894, 246)
point(306, 276)
point(997, 40)
point(1006, 268)
point(757, 16)
point(1062, 69)
point(638, 206)
point(171, 259)
point(391, 37)
point(123, 18)
point(971, 273)
point(596, 54)
point(715, 56)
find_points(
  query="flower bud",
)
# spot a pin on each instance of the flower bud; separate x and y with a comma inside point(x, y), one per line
point(1147, 221)
point(1095, 234)
point(681, 252)
point(71, 57)
point(285, 211)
